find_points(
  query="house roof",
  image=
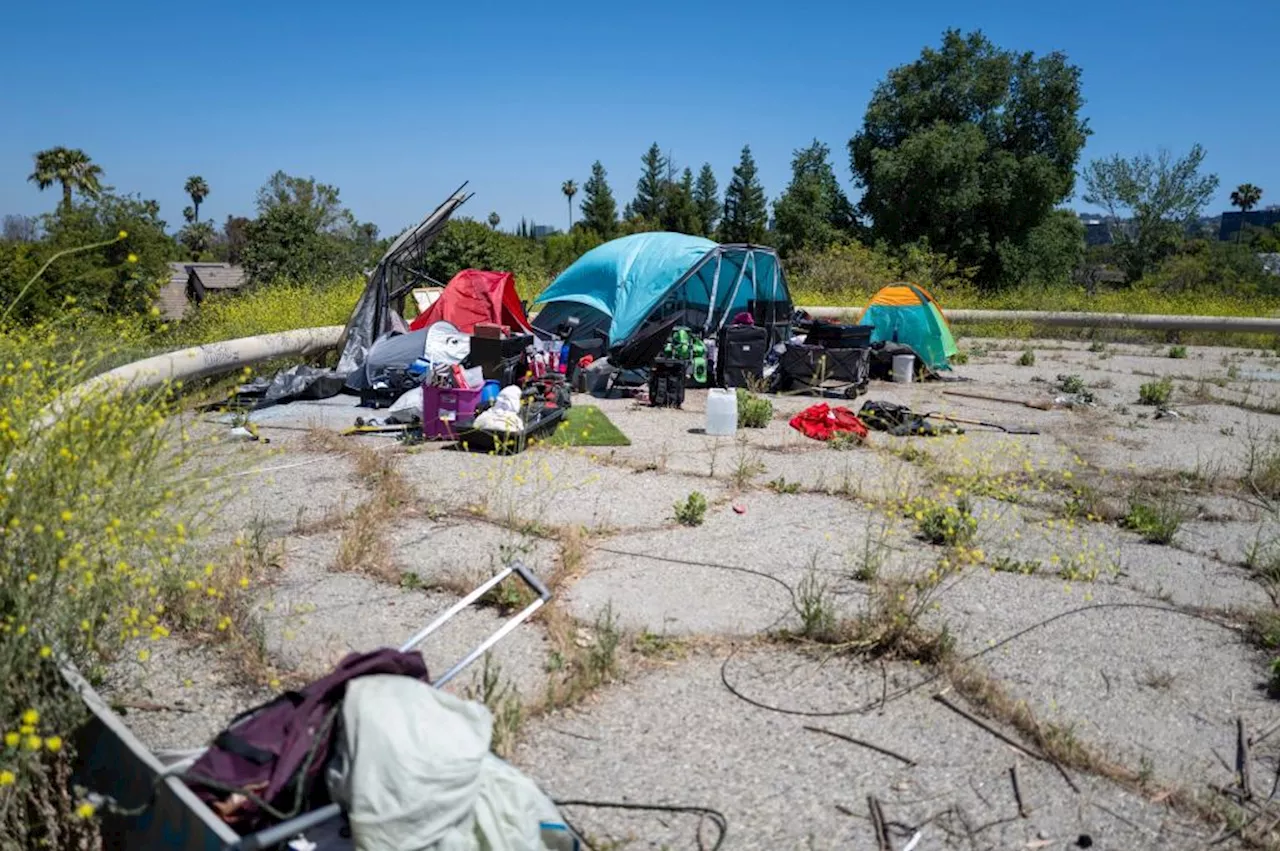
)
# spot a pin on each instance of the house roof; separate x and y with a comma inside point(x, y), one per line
point(217, 276)
point(172, 300)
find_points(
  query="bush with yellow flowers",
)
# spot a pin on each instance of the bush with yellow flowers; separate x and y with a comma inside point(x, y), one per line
point(94, 520)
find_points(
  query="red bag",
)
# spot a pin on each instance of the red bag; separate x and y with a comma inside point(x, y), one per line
point(821, 421)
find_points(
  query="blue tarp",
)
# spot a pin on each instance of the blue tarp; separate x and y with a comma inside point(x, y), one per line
point(626, 281)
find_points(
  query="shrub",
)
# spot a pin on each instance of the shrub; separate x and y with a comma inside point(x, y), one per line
point(93, 560)
point(1028, 358)
point(753, 411)
point(692, 510)
point(1177, 352)
point(1157, 522)
point(950, 525)
point(1155, 393)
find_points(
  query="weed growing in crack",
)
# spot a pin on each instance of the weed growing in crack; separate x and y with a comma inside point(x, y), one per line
point(746, 465)
point(875, 549)
point(1156, 521)
point(1262, 463)
point(780, 485)
point(654, 646)
point(1028, 358)
point(843, 441)
point(1178, 352)
point(816, 609)
point(1004, 564)
point(692, 511)
point(1156, 393)
point(502, 699)
point(948, 525)
point(753, 411)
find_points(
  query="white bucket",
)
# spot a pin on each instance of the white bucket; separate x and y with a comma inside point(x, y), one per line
point(904, 368)
point(722, 411)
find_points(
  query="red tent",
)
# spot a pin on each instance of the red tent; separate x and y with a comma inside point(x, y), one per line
point(474, 296)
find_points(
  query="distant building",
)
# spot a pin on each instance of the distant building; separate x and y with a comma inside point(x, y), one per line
point(1254, 218)
point(542, 231)
point(191, 283)
point(1097, 230)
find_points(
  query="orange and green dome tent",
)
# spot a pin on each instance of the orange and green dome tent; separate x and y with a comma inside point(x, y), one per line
point(908, 314)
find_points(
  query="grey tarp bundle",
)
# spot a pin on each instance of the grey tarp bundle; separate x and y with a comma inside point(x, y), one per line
point(413, 772)
point(392, 351)
point(377, 313)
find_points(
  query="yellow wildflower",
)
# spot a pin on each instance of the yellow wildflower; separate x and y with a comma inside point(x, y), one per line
point(144, 655)
point(7, 778)
point(133, 258)
point(12, 739)
point(122, 235)
point(86, 810)
point(66, 516)
point(53, 743)
point(46, 652)
point(33, 742)
point(31, 716)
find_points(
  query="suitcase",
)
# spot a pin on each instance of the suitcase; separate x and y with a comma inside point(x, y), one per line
point(740, 355)
point(833, 335)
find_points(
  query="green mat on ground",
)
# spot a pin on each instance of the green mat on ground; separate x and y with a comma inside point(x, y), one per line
point(587, 425)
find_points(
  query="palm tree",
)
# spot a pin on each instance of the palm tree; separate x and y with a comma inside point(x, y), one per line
point(198, 189)
point(494, 218)
point(1246, 197)
point(69, 166)
point(569, 188)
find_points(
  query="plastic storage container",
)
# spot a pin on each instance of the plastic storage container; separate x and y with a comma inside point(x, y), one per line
point(904, 368)
point(446, 410)
point(722, 412)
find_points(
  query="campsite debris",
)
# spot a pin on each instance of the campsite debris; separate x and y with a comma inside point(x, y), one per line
point(739, 509)
point(1017, 791)
point(899, 757)
point(901, 421)
point(1038, 405)
point(878, 823)
point(248, 432)
point(1014, 429)
point(1242, 759)
point(822, 422)
point(973, 719)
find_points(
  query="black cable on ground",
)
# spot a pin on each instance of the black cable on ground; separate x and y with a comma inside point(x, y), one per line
point(716, 817)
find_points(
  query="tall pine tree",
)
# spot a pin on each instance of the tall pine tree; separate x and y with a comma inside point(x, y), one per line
point(599, 210)
point(813, 212)
point(746, 212)
point(650, 187)
point(679, 212)
point(706, 197)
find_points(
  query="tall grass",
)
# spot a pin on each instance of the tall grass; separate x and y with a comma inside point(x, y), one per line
point(269, 309)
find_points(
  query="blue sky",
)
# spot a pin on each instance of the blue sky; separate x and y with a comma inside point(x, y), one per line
point(398, 103)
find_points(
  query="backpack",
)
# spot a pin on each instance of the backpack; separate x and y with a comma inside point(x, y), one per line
point(666, 383)
point(268, 762)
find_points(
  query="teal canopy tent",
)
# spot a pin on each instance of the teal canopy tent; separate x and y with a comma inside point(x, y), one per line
point(617, 287)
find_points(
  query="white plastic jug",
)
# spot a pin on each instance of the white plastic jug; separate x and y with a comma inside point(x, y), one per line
point(904, 368)
point(722, 411)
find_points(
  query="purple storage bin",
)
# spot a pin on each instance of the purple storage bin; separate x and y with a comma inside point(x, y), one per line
point(444, 406)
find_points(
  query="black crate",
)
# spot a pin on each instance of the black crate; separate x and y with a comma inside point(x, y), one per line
point(541, 424)
point(666, 382)
point(814, 366)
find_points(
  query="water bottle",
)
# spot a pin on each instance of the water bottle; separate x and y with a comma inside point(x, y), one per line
point(564, 358)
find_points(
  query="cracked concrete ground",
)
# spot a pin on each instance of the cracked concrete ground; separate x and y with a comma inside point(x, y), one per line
point(1130, 649)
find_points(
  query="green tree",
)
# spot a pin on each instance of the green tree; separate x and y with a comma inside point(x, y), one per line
point(679, 210)
point(494, 220)
point(599, 210)
point(569, 188)
point(304, 233)
point(706, 195)
point(70, 167)
point(123, 277)
point(1156, 195)
point(1246, 196)
point(969, 148)
point(650, 188)
point(813, 212)
point(198, 189)
point(1052, 251)
point(197, 238)
point(746, 212)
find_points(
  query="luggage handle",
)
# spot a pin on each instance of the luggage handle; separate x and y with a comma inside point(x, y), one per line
point(279, 833)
